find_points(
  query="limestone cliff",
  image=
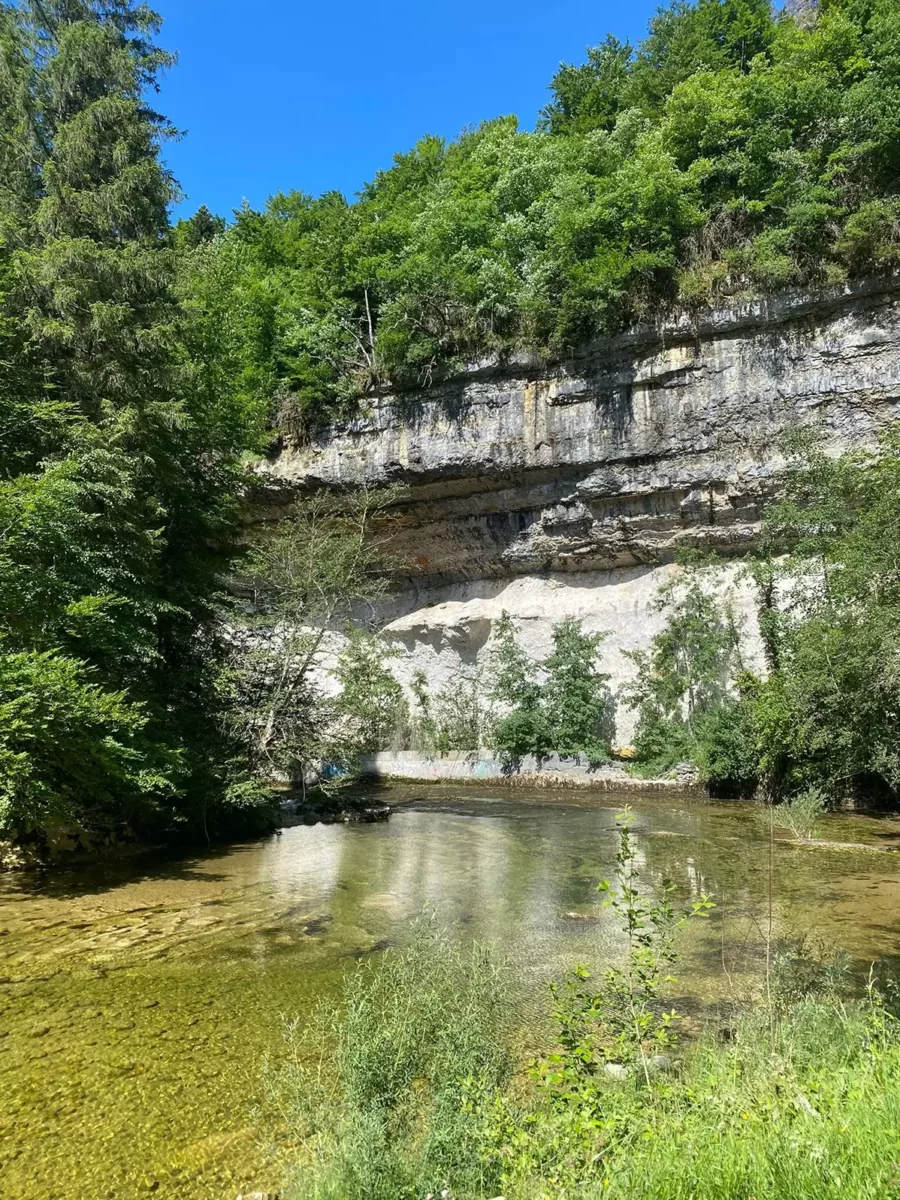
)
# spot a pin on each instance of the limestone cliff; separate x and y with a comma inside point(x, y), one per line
point(569, 487)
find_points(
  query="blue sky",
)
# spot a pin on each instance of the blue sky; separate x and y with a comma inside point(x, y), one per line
point(279, 94)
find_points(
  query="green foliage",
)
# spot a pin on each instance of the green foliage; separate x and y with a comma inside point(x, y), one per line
point(514, 684)
point(61, 738)
point(814, 1114)
point(619, 1021)
point(458, 717)
point(592, 94)
point(575, 695)
point(370, 707)
point(728, 743)
point(561, 705)
point(392, 1089)
point(733, 151)
point(823, 719)
point(309, 573)
point(684, 689)
point(119, 461)
point(801, 812)
point(826, 717)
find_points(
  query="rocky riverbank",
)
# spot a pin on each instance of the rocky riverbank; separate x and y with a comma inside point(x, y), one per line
point(321, 808)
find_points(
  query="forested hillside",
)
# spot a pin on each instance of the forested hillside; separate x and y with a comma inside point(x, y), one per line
point(734, 151)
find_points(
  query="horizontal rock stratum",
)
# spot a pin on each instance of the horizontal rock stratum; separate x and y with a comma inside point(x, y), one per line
point(549, 489)
point(626, 451)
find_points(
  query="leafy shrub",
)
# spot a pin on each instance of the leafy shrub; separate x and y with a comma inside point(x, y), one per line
point(560, 705)
point(684, 691)
point(71, 751)
point(370, 707)
point(393, 1087)
point(801, 812)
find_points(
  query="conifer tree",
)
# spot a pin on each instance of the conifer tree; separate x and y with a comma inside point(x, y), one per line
point(117, 524)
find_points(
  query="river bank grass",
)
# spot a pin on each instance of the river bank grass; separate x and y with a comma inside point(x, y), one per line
point(800, 1103)
point(810, 1108)
point(409, 1089)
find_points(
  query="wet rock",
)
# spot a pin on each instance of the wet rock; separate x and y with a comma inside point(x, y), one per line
point(333, 810)
point(317, 924)
point(686, 773)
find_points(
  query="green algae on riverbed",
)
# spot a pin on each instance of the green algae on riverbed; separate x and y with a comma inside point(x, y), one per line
point(138, 1001)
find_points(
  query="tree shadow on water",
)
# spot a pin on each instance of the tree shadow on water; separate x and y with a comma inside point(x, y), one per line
point(70, 880)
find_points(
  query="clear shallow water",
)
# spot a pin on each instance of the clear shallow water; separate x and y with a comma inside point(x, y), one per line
point(137, 1001)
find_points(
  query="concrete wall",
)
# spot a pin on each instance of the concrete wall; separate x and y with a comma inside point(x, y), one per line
point(482, 766)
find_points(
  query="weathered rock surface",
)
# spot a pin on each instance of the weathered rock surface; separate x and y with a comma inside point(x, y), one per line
point(485, 766)
point(567, 488)
point(319, 809)
point(625, 452)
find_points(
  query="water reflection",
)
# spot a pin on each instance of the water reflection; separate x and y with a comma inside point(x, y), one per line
point(137, 1000)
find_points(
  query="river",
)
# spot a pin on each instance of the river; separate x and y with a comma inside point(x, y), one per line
point(139, 999)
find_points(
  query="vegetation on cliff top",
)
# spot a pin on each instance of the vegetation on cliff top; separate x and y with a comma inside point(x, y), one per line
point(733, 151)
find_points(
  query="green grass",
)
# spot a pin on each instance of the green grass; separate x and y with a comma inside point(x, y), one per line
point(390, 1088)
point(406, 1090)
point(811, 1112)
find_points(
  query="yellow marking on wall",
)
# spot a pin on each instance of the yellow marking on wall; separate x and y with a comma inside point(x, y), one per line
point(528, 426)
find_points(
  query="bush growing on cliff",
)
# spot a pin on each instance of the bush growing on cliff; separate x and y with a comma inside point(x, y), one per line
point(458, 717)
point(576, 700)
point(685, 688)
point(828, 715)
point(308, 575)
point(369, 711)
point(523, 728)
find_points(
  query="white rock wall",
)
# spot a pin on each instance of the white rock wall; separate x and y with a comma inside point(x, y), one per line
point(447, 631)
point(551, 490)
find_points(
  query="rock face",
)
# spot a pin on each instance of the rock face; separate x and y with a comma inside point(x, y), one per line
point(569, 488)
